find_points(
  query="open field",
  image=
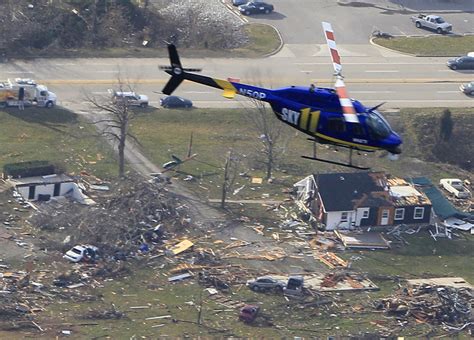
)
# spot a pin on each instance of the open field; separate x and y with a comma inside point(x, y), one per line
point(431, 46)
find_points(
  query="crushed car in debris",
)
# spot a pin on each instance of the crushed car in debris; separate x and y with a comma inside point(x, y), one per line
point(85, 253)
point(248, 313)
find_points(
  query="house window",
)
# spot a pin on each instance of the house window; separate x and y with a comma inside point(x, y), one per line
point(399, 214)
point(344, 216)
point(365, 214)
point(419, 212)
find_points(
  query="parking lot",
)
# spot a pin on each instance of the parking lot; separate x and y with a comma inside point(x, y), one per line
point(299, 21)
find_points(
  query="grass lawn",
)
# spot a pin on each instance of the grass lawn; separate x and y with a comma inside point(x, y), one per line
point(430, 46)
point(216, 131)
point(55, 135)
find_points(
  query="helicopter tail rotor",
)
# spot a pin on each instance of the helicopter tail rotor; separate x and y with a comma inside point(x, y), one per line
point(350, 114)
point(176, 70)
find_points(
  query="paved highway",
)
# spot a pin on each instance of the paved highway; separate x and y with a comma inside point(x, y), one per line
point(372, 74)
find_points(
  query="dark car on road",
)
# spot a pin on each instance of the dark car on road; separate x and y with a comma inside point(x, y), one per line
point(265, 283)
point(461, 63)
point(468, 88)
point(256, 7)
point(175, 102)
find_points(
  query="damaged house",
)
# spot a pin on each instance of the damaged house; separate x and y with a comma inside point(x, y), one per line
point(38, 181)
point(362, 199)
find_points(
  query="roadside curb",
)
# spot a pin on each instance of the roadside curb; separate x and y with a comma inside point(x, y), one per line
point(232, 10)
point(389, 49)
point(278, 49)
point(400, 9)
point(246, 21)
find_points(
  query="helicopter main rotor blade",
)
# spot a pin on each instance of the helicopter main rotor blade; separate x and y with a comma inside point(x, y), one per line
point(350, 114)
point(331, 42)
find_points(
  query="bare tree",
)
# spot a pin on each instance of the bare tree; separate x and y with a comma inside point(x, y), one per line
point(231, 168)
point(271, 135)
point(115, 124)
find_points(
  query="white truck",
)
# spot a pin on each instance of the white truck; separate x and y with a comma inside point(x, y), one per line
point(455, 186)
point(34, 94)
point(434, 22)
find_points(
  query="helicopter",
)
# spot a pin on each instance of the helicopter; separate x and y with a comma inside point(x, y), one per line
point(326, 115)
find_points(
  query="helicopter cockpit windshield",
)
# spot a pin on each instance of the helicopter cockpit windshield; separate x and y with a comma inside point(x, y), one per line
point(378, 126)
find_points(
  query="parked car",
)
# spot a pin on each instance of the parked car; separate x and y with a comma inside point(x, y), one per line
point(248, 313)
point(175, 102)
point(86, 253)
point(255, 7)
point(467, 88)
point(461, 63)
point(264, 283)
point(131, 98)
point(434, 22)
point(240, 2)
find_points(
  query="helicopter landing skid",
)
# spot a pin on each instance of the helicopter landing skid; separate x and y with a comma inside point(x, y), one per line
point(336, 163)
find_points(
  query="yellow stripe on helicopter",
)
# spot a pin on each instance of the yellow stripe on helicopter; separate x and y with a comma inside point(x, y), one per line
point(229, 89)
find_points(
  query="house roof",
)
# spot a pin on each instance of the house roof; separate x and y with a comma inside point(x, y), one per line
point(338, 191)
point(406, 195)
point(40, 180)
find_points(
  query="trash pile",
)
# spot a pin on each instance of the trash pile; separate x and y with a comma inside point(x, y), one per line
point(435, 305)
point(133, 214)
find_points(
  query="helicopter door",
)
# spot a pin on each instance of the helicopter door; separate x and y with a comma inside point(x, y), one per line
point(336, 125)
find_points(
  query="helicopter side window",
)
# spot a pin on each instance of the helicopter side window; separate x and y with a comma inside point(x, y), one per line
point(336, 124)
point(358, 130)
point(378, 127)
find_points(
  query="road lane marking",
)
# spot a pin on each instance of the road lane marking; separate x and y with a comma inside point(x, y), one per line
point(372, 91)
point(448, 91)
point(199, 92)
point(382, 71)
point(312, 63)
point(19, 72)
point(327, 81)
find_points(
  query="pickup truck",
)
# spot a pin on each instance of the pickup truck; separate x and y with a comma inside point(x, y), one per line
point(455, 187)
point(433, 22)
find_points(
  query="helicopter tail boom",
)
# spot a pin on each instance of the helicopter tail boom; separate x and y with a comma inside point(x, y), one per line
point(230, 88)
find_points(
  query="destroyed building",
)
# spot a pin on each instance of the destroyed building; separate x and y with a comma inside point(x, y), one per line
point(362, 199)
point(41, 181)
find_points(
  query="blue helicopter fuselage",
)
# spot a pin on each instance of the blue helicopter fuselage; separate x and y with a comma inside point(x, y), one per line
point(317, 112)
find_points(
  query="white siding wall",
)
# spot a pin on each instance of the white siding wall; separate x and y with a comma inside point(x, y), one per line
point(334, 220)
point(359, 214)
point(46, 189)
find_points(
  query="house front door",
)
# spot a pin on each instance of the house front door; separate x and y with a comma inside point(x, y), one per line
point(385, 215)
